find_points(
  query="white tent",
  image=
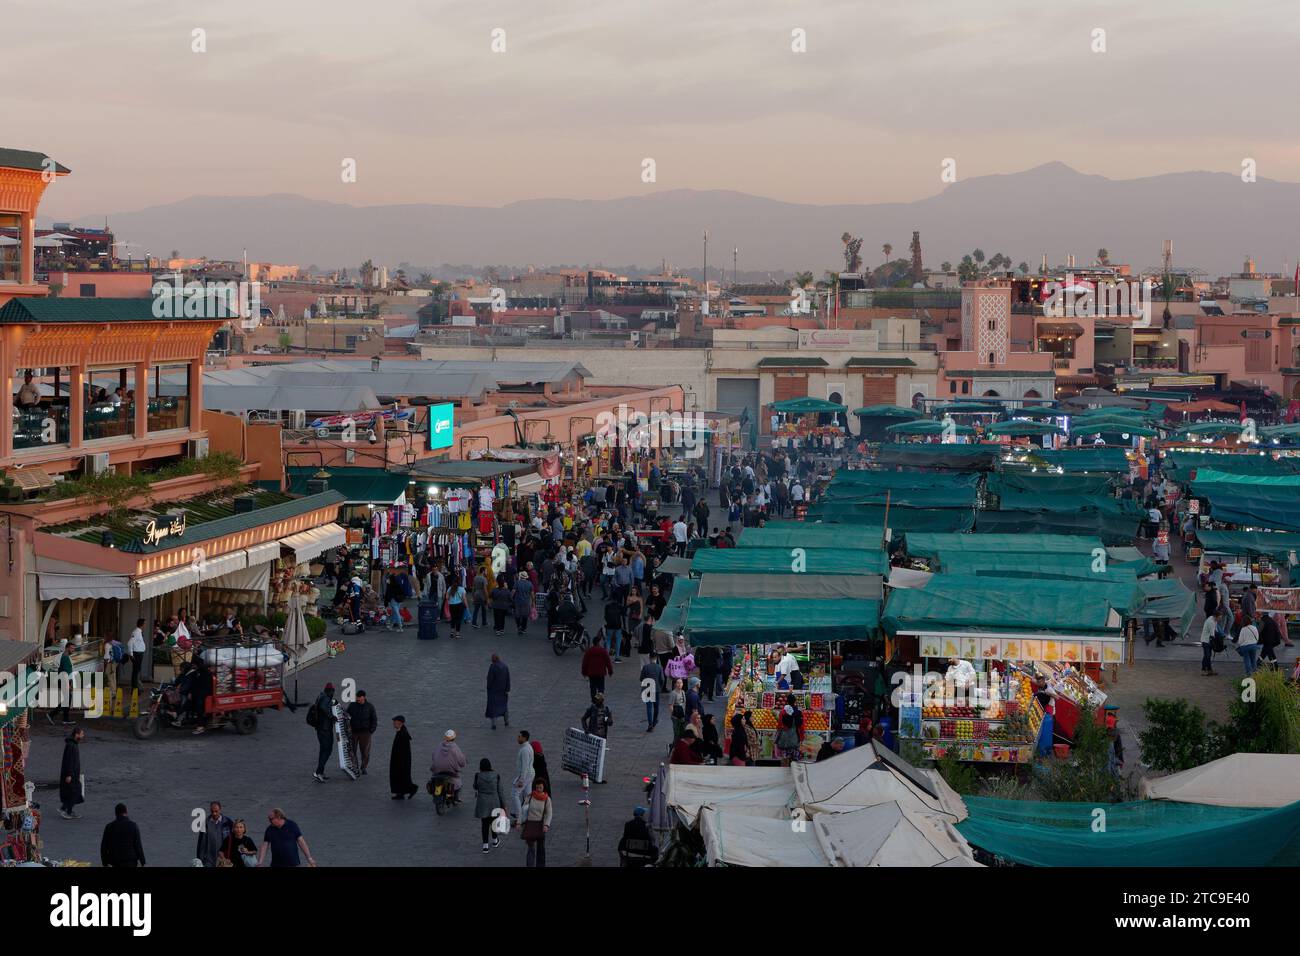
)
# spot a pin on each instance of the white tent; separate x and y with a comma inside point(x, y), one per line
point(871, 775)
point(754, 791)
point(1238, 780)
point(883, 835)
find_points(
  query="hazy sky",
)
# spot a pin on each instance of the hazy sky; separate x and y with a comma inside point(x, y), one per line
point(710, 89)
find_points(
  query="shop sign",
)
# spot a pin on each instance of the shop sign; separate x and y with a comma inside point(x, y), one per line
point(155, 533)
point(442, 426)
point(1286, 600)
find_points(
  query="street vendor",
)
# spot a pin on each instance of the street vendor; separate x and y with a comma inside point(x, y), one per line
point(960, 672)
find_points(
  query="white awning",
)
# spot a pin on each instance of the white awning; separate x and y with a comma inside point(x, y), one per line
point(59, 587)
point(261, 553)
point(223, 564)
point(164, 582)
point(309, 544)
point(527, 484)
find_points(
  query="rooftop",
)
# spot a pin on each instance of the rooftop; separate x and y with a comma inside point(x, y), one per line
point(45, 309)
point(28, 159)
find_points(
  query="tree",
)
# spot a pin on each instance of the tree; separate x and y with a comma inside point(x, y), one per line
point(803, 280)
point(1103, 256)
point(888, 250)
point(852, 253)
point(978, 256)
point(945, 266)
point(1024, 268)
point(917, 268)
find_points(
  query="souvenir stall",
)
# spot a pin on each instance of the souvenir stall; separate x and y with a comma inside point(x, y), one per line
point(20, 839)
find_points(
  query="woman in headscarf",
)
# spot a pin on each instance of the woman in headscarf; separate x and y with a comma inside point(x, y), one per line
point(540, 773)
point(739, 742)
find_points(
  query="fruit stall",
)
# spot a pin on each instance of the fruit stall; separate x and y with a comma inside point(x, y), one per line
point(752, 690)
point(998, 726)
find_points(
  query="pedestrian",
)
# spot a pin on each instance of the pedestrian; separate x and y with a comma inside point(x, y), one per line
point(1248, 646)
point(598, 718)
point(135, 647)
point(663, 647)
point(1209, 636)
point(120, 845)
point(216, 828)
point(71, 788)
point(652, 672)
point(239, 850)
point(541, 773)
point(596, 666)
point(709, 659)
point(363, 722)
point(456, 599)
point(677, 708)
point(320, 716)
point(498, 692)
point(537, 814)
point(284, 840)
point(501, 601)
point(738, 744)
point(790, 731)
point(109, 663)
point(393, 596)
point(614, 625)
point(478, 619)
point(65, 682)
point(400, 783)
point(522, 785)
point(489, 802)
point(523, 602)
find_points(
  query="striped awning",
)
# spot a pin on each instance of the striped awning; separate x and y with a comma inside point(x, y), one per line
point(306, 545)
point(55, 586)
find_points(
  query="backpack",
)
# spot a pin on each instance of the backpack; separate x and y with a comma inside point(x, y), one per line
point(313, 716)
point(115, 653)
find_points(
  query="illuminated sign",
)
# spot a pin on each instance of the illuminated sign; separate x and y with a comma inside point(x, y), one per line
point(155, 533)
point(442, 426)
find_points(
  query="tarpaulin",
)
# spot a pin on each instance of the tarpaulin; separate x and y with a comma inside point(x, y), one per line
point(1075, 460)
point(717, 621)
point(767, 586)
point(973, 603)
point(1022, 480)
point(903, 497)
point(855, 478)
point(950, 457)
point(927, 545)
point(900, 518)
point(786, 561)
point(1179, 465)
point(1111, 528)
point(807, 534)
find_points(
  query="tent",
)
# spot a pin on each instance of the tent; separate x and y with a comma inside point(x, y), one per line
point(1238, 780)
point(888, 411)
point(1088, 460)
point(806, 406)
point(929, 428)
point(755, 791)
point(1139, 833)
point(671, 620)
point(967, 408)
point(871, 775)
point(1021, 479)
point(884, 835)
point(899, 480)
point(903, 497)
point(1020, 427)
point(1212, 428)
point(1179, 464)
point(901, 517)
point(1112, 528)
point(766, 586)
point(785, 561)
point(973, 604)
point(952, 457)
point(921, 545)
point(719, 621)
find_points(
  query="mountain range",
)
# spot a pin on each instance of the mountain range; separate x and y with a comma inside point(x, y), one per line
point(1215, 220)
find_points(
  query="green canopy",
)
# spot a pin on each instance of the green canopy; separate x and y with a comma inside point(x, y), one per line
point(922, 545)
point(1013, 499)
point(718, 621)
point(1020, 427)
point(898, 480)
point(1111, 527)
point(1036, 411)
point(888, 411)
point(973, 604)
point(806, 406)
point(901, 518)
point(929, 428)
point(1274, 544)
point(902, 497)
point(1076, 460)
point(1212, 428)
point(1139, 833)
point(785, 561)
point(950, 457)
point(1112, 426)
point(806, 534)
point(1020, 479)
point(358, 485)
point(1083, 565)
point(1281, 431)
point(966, 408)
point(1179, 464)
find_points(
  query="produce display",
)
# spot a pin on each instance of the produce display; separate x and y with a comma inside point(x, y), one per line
point(759, 695)
point(999, 729)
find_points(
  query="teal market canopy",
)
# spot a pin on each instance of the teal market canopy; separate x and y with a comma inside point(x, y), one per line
point(888, 411)
point(719, 621)
point(806, 406)
point(1019, 427)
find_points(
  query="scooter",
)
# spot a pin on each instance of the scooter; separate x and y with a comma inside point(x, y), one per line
point(443, 791)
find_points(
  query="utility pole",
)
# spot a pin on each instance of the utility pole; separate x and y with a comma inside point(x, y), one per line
point(735, 271)
point(705, 310)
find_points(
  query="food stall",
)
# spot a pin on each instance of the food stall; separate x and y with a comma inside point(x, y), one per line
point(756, 691)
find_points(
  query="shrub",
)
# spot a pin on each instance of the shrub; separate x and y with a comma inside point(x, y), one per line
point(961, 777)
point(1177, 738)
point(1263, 718)
point(316, 627)
point(1086, 775)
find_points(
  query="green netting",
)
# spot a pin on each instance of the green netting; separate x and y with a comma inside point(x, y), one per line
point(806, 534)
point(1141, 833)
point(1076, 460)
point(900, 518)
point(804, 406)
point(950, 457)
point(1023, 480)
point(784, 561)
point(714, 621)
point(929, 545)
point(972, 603)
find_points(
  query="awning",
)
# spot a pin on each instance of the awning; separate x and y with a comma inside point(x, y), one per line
point(527, 484)
point(165, 582)
point(261, 553)
point(60, 587)
point(224, 564)
point(309, 544)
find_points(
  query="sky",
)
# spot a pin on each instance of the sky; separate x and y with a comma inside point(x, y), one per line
point(583, 93)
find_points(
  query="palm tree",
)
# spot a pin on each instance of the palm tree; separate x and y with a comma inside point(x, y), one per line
point(978, 256)
point(1103, 256)
point(945, 266)
point(803, 280)
point(1024, 268)
point(887, 249)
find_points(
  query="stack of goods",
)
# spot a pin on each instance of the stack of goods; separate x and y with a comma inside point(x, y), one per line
point(760, 696)
point(237, 668)
point(986, 729)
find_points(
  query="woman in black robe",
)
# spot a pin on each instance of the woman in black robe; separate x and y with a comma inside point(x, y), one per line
point(399, 763)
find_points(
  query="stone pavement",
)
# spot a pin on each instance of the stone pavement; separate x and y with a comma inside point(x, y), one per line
point(437, 685)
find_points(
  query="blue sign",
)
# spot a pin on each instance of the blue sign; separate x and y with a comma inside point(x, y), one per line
point(442, 426)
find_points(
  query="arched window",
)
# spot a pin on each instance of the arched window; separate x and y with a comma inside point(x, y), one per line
point(991, 394)
point(1032, 393)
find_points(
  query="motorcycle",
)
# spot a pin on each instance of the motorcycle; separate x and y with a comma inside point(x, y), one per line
point(441, 787)
point(565, 636)
point(166, 703)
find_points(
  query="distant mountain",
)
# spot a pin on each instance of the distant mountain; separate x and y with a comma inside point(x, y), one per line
point(1214, 219)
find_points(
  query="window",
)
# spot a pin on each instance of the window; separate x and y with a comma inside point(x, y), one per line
point(952, 388)
point(87, 290)
point(965, 388)
point(11, 249)
point(169, 397)
point(41, 408)
point(990, 394)
point(109, 409)
point(1032, 393)
point(992, 360)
